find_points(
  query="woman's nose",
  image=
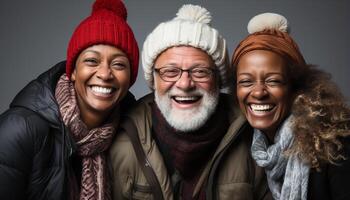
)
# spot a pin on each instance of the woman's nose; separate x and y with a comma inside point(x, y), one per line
point(259, 91)
point(104, 72)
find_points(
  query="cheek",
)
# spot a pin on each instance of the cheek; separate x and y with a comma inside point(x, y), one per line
point(123, 78)
point(82, 74)
point(80, 90)
point(282, 95)
point(209, 86)
point(241, 95)
point(161, 86)
point(285, 100)
point(78, 81)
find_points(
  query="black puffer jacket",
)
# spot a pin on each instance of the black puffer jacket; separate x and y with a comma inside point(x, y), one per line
point(36, 150)
point(34, 144)
point(332, 182)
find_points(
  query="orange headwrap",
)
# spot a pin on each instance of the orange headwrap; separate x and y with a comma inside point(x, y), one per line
point(271, 40)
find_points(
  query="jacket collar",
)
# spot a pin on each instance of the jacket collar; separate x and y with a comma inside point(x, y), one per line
point(237, 121)
point(39, 95)
point(142, 118)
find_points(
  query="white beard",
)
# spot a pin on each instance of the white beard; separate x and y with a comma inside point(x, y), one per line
point(186, 120)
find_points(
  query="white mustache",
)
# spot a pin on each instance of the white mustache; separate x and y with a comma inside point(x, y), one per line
point(178, 92)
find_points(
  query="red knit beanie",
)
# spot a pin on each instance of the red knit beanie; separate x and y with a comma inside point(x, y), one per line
point(106, 25)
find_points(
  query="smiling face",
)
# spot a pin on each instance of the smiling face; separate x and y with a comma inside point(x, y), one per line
point(263, 90)
point(185, 104)
point(101, 79)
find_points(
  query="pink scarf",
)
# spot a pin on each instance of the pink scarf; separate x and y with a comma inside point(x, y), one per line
point(91, 145)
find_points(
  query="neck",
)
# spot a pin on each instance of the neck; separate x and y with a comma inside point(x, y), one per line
point(93, 119)
point(271, 132)
point(270, 136)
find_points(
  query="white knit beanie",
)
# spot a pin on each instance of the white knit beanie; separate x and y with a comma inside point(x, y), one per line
point(191, 27)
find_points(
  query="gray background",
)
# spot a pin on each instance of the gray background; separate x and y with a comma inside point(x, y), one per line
point(34, 34)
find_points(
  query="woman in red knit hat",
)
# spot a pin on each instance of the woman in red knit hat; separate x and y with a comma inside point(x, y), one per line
point(54, 137)
point(300, 119)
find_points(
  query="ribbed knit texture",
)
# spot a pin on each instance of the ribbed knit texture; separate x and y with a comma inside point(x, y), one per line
point(191, 27)
point(106, 25)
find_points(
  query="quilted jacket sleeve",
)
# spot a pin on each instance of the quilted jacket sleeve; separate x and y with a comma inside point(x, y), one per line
point(16, 153)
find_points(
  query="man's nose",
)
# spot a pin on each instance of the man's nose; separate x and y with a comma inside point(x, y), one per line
point(185, 82)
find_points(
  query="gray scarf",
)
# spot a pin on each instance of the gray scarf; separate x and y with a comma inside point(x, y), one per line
point(287, 176)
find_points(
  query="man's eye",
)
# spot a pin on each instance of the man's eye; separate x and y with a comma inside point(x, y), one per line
point(201, 72)
point(170, 72)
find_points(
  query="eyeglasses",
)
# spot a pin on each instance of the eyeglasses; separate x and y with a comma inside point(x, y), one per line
point(173, 74)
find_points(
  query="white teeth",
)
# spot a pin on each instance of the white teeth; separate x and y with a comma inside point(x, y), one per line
point(102, 90)
point(259, 107)
point(187, 98)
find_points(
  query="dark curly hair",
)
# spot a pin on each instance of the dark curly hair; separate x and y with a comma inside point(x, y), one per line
point(321, 117)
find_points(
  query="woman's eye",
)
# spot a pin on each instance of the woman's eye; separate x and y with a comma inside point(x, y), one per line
point(119, 65)
point(245, 83)
point(274, 82)
point(91, 61)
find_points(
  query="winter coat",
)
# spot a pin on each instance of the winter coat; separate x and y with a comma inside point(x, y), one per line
point(36, 150)
point(231, 173)
point(332, 182)
point(34, 143)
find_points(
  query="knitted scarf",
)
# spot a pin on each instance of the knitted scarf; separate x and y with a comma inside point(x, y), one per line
point(91, 145)
point(187, 153)
point(287, 176)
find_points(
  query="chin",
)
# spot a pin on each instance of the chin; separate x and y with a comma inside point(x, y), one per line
point(190, 119)
point(104, 107)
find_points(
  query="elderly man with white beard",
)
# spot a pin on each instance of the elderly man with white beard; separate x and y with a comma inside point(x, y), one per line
point(185, 140)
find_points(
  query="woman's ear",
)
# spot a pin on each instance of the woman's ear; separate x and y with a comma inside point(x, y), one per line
point(72, 77)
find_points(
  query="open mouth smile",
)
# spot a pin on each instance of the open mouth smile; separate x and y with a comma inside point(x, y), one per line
point(186, 99)
point(261, 108)
point(99, 90)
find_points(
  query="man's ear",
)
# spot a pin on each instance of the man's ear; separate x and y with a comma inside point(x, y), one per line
point(153, 86)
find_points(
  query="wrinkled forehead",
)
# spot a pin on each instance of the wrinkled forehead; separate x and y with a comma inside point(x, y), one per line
point(184, 55)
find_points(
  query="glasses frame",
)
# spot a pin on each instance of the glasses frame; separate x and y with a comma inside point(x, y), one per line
point(213, 71)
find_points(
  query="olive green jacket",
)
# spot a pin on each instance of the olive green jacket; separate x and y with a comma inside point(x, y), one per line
point(230, 174)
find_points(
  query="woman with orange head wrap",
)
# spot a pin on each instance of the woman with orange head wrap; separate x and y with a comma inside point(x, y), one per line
point(300, 119)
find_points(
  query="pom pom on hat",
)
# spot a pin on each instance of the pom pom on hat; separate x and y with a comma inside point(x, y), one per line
point(269, 31)
point(267, 21)
point(106, 25)
point(194, 13)
point(117, 7)
point(191, 27)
